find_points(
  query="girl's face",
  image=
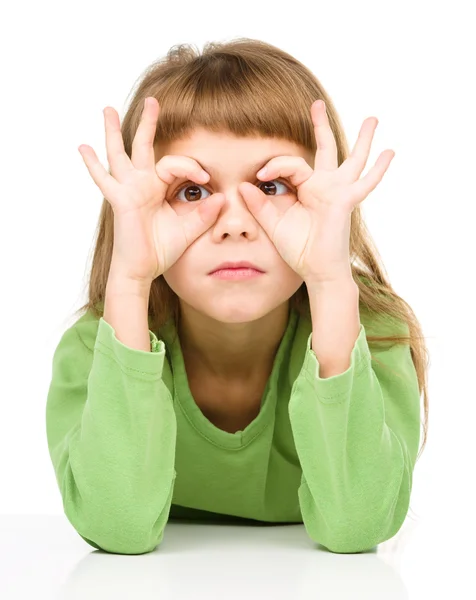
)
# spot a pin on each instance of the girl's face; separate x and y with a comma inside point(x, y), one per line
point(235, 235)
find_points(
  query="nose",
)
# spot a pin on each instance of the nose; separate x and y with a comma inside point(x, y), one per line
point(235, 218)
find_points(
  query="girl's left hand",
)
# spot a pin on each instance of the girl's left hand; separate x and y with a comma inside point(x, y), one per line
point(313, 235)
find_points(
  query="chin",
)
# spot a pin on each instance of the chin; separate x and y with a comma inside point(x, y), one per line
point(238, 310)
point(236, 314)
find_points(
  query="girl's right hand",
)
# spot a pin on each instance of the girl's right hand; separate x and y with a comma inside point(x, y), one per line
point(149, 236)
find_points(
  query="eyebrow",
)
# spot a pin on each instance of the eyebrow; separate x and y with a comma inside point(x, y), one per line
point(254, 168)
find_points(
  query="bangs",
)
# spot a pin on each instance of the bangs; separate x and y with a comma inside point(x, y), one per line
point(223, 93)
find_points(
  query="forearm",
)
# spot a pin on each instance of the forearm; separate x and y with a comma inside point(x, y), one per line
point(126, 310)
point(335, 324)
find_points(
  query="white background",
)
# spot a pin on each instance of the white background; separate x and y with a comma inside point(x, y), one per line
point(408, 63)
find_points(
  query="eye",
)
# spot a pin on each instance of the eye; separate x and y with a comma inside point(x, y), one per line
point(269, 184)
point(193, 196)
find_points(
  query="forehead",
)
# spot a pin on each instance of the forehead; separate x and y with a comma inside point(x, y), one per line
point(223, 148)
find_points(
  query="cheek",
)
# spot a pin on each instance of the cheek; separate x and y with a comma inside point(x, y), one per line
point(183, 277)
point(174, 277)
point(290, 282)
point(284, 272)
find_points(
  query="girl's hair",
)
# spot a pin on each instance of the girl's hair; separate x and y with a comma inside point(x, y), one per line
point(248, 87)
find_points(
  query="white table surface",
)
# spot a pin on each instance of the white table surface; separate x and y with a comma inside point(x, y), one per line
point(41, 556)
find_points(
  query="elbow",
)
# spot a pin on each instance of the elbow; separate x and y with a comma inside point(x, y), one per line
point(349, 542)
point(120, 541)
point(113, 545)
point(363, 531)
point(117, 535)
point(359, 535)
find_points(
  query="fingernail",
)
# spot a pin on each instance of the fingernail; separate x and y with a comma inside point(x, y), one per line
point(262, 172)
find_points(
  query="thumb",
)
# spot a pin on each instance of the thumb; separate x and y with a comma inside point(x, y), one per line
point(261, 207)
point(252, 197)
point(201, 219)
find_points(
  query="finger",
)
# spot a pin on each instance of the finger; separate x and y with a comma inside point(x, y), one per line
point(264, 211)
point(172, 167)
point(105, 182)
point(362, 188)
point(326, 153)
point(295, 168)
point(116, 155)
point(355, 163)
point(143, 156)
point(196, 222)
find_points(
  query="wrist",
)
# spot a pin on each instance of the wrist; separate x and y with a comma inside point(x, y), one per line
point(346, 283)
point(123, 285)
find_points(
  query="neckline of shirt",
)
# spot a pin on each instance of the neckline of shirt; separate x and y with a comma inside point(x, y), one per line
point(183, 395)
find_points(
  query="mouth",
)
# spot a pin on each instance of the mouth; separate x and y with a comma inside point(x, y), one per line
point(236, 274)
point(242, 264)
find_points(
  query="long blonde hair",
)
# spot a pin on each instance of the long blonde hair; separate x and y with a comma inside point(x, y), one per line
point(249, 87)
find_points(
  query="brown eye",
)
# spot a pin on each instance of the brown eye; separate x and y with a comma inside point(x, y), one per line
point(191, 193)
point(271, 187)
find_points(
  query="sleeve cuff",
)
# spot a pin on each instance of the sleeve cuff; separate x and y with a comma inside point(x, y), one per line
point(336, 387)
point(133, 361)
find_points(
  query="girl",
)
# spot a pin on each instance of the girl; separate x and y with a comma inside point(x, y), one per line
point(190, 390)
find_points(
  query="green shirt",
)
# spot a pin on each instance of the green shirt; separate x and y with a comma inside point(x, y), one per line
point(131, 448)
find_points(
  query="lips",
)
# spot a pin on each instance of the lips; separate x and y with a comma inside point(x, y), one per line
point(237, 265)
point(236, 274)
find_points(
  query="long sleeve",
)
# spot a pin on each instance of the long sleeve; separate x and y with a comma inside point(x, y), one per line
point(357, 436)
point(111, 431)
